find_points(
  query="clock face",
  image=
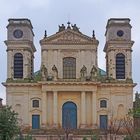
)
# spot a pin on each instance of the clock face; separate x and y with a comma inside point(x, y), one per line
point(18, 33)
point(120, 33)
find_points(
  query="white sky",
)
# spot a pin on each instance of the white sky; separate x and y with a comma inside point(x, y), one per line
point(87, 14)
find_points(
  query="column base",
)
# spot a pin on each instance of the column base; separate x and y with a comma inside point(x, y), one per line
point(55, 126)
point(94, 126)
point(43, 126)
point(83, 126)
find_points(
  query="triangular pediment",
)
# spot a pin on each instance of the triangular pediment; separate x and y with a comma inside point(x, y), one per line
point(68, 36)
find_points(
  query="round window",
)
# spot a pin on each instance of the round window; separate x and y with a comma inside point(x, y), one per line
point(18, 33)
point(120, 33)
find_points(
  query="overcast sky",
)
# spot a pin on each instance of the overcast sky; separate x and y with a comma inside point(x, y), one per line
point(87, 14)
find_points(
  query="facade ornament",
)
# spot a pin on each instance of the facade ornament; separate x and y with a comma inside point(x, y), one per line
point(93, 73)
point(61, 28)
point(75, 28)
point(68, 25)
point(55, 73)
point(45, 35)
point(93, 34)
point(83, 73)
point(44, 73)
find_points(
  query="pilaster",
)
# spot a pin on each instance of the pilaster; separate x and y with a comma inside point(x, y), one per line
point(94, 110)
point(44, 109)
point(55, 109)
point(83, 109)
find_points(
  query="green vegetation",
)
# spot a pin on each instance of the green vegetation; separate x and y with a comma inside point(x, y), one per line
point(8, 123)
point(28, 137)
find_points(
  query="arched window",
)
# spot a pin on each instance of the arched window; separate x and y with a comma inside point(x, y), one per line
point(120, 66)
point(69, 68)
point(35, 103)
point(103, 104)
point(18, 65)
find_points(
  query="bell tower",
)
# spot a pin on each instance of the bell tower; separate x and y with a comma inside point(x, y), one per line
point(20, 49)
point(118, 48)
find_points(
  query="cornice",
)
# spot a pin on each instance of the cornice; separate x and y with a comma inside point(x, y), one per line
point(57, 83)
point(20, 84)
point(117, 42)
point(118, 84)
point(20, 42)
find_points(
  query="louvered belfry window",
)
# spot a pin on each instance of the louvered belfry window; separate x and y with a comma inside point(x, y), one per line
point(18, 65)
point(120, 66)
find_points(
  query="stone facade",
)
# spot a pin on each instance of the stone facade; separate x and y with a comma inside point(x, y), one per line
point(92, 96)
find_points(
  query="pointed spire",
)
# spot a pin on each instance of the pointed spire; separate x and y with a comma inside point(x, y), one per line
point(45, 35)
point(93, 34)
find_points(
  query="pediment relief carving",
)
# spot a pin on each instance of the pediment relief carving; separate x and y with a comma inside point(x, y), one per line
point(68, 37)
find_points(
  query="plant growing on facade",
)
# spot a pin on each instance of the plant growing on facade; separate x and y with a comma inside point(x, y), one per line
point(27, 137)
point(85, 138)
point(115, 128)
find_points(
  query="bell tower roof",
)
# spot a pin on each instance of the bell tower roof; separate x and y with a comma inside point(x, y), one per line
point(20, 21)
point(117, 22)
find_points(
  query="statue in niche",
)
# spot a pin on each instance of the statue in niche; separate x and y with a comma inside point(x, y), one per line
point(44, 73)
point(55, 72)
point(93, 73)
point(61, 28)
point(75, 28)
point(83, 73)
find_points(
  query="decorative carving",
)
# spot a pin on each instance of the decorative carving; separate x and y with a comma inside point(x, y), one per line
point(68, 25)
point(93, 34)
point(93, 73)
point(45, 35)
point(44, 73)
point(68, 37)
point(55, 73)
point(83, 73)
point(75, 28)
point(61, 28)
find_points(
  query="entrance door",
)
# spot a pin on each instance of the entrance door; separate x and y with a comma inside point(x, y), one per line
point(35, 121)
point(69, 115)
point(103, 121)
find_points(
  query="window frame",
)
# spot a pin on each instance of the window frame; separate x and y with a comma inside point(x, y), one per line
point(120, 66)
point(34, 102)
point(69, 68)
point(18, 65)
point(103, 103)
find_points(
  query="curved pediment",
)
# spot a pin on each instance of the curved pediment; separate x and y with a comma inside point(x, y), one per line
point(68, 36)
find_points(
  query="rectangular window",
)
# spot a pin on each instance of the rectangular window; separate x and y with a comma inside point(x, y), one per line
point(35, 103)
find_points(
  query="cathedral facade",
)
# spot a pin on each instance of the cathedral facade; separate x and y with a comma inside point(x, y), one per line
point(69, 90)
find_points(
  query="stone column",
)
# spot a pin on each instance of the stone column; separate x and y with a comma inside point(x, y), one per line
point(44, 109)
point(94, 110)
point(83, 109)
point(55, 109)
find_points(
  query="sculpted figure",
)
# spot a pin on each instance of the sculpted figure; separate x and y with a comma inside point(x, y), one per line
point(55, 72)
point(61, 28)
point(44, 73)
point(93, 72)
point(75, 28)
point(83, 72)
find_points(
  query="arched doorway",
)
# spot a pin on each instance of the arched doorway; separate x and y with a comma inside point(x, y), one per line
point(69, 115)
